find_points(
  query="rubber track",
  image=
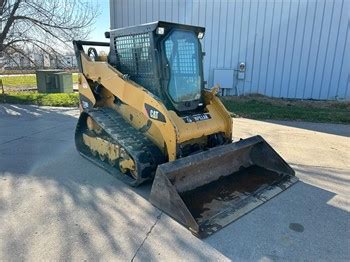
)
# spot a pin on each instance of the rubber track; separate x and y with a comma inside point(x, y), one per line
point(145, 154)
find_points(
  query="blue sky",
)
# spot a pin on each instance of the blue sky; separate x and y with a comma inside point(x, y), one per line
point(102, 22)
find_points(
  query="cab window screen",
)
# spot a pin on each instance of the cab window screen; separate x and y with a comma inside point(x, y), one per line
point(181, 50)
point(134, 57)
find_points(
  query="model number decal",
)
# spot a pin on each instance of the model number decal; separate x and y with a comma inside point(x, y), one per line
point(153, 113)
point(196, 118)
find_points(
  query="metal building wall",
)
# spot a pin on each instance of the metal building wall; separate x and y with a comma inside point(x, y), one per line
point(292, 48)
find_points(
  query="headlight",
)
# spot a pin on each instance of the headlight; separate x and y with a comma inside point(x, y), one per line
point(160, 31)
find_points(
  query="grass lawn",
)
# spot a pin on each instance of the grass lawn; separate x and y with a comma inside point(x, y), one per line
point(34, 98)
point(25, 80)
point(19, 81)
point(260, 107)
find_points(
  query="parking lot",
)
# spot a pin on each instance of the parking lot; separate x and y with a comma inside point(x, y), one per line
point(56, 205)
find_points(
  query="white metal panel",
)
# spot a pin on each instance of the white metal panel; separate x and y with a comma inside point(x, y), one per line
point(292, 48)
point(224, 77)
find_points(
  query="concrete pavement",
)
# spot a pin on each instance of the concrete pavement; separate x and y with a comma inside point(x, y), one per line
point(55, 205)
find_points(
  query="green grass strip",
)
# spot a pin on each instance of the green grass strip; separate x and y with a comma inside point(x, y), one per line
point(19, 81)
point(260, 107)
point(63, 100)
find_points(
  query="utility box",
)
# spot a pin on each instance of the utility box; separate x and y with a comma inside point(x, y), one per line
point(45, 80)
point(225, 78)
point(54, 81)
point(64, 82)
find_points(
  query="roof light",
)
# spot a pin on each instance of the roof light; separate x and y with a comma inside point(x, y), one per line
point(200, 35)
point(160, 31)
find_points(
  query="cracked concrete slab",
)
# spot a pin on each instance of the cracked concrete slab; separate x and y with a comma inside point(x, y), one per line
point(147, 235)
point(55, 205)
point(170, 241)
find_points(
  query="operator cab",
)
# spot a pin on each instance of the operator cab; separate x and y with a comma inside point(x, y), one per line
point(165, 58)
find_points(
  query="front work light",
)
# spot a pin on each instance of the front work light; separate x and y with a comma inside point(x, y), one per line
point(160, 31)
point(200, 35)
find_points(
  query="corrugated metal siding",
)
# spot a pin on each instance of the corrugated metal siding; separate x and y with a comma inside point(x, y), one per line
point(292, 48)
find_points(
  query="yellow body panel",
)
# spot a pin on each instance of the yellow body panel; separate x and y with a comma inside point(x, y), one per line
point(85, 90)
point(219, 122)
point(166, 135)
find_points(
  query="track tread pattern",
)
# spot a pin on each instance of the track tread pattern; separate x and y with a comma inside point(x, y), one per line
point(145, 154)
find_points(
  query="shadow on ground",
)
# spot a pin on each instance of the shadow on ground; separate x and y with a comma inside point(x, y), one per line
point(57, 205)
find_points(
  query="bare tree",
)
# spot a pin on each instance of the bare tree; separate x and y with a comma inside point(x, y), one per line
point(47, 25)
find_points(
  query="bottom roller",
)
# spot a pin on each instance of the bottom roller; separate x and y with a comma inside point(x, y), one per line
point(211, 189)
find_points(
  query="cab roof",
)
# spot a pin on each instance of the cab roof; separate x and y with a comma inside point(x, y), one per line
point(150, 27)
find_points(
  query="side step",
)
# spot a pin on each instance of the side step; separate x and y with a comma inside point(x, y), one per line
point(211, 189)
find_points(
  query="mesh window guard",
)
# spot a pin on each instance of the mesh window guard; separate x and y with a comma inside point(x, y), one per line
point(134, 58)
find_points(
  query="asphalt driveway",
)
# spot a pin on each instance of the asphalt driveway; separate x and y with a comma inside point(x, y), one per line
point(55, 205)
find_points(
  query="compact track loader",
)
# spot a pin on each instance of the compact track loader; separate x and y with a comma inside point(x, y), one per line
point(146, 115)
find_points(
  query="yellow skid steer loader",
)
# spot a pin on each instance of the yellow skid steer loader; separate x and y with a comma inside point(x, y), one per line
point(145, 115)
